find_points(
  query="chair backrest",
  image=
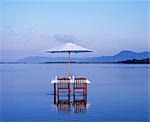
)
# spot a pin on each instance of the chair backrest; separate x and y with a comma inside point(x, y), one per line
point(79, 82)
point(63, 82)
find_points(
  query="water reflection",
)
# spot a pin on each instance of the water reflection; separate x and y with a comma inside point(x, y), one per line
point(66, 105)
point(79, 105)
point(63, 105)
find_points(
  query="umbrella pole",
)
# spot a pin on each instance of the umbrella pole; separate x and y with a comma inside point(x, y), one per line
point(68, 63)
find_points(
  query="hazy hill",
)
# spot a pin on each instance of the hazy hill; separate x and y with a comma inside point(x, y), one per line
point(123, 55)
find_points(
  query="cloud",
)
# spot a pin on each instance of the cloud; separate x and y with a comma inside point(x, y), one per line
point(34, 27)
point(8, 30)
point(7, 26)
point(64, 38)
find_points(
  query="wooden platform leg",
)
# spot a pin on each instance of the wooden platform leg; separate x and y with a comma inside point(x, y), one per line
point(73, 92)
point(68, 91)
point(57, 93)
point(54, 88)
point(54, 93)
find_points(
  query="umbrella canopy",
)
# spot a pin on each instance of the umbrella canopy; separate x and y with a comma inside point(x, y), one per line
point(68, 48)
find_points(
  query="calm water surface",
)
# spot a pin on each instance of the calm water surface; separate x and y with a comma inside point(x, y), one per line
point(117, 93)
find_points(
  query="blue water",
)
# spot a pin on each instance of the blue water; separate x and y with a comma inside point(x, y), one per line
point(118, 93)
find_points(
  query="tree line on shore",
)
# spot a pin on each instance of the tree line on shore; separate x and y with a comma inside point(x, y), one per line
point(136, 61)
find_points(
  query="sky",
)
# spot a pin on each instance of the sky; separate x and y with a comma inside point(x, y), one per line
point(28, 28)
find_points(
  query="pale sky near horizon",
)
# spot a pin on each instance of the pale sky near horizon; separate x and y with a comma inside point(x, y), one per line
point(29, 27)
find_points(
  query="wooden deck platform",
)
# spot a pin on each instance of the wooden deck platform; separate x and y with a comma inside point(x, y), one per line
point(64, 88)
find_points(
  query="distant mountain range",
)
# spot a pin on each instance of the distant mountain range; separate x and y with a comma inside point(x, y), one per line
point(122, 56)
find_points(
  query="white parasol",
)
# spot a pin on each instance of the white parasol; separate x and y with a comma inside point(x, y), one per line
point(68, 48)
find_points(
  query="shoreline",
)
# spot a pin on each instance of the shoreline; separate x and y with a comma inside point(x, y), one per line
point(71, 63)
